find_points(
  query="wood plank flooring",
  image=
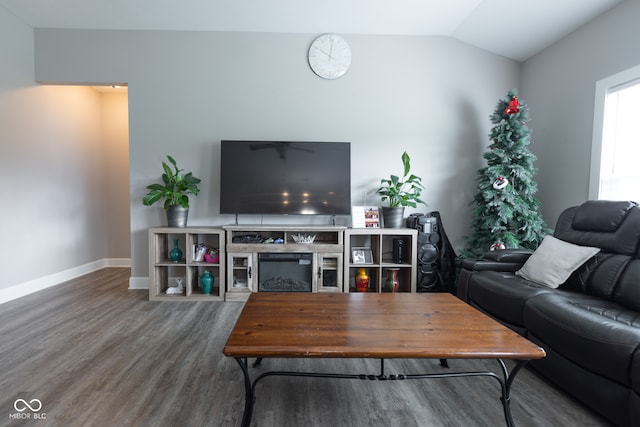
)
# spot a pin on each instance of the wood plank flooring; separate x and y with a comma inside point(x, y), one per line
point(97, 354)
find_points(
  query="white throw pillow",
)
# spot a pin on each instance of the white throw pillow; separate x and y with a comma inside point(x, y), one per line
point(554, 261)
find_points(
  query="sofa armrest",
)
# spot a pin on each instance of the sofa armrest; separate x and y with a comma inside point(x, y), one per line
point(482, 265)
point(501, 260)
point(504, 260)
point(518, 256)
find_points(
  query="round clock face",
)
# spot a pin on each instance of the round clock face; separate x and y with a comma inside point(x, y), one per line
point(329, 56)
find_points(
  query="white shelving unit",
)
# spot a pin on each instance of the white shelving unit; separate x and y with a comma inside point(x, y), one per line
point(380, 242)
point(164, 273)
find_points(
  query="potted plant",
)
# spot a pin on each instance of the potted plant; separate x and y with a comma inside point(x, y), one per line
point(175, 191)
point(398, 193)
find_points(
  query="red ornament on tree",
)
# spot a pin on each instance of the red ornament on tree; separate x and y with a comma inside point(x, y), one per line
point(497, 246)
point(513, 106)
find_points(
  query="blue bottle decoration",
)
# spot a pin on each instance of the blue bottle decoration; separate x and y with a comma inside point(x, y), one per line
point(176, 254)
point(206, 283)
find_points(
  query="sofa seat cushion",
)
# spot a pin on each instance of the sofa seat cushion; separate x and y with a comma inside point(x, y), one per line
point(596, 334)
point(503, 294)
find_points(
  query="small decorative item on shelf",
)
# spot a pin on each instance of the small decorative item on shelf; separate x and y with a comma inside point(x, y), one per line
point(301, 238)
point(178, 289)
point(206, 283)
point(362, 280)
point(199, 252)
point(213, 256)
point(176, 254)
point(361, 256)
point(365, 217)
point(239, 283)
point(391, 283)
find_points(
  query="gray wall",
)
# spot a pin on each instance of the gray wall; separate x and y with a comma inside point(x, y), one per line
point(53, 171)
point(188, 90)
point(559, 85)
point(114, 118)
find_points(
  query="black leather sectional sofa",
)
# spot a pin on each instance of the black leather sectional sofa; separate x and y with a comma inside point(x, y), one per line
point(590, 324)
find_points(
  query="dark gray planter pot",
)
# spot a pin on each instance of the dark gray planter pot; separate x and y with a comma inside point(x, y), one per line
point(177, 216)
point(392, 217)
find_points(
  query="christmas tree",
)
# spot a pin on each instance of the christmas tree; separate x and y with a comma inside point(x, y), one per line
point(506, 214)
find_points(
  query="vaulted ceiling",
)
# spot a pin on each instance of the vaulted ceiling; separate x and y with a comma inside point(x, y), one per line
point(516, 29)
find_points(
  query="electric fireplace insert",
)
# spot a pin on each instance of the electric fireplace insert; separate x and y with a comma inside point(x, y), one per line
point(285, 272)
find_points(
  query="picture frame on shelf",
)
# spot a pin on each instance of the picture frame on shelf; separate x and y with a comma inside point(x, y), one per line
point(361, 255)
point(365, 217)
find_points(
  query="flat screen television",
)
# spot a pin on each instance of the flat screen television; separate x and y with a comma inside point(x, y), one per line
point(285, 177)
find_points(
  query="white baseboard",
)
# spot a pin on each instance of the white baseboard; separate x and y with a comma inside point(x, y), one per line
point(118, 262)
point(138, 283)
point(26, 288)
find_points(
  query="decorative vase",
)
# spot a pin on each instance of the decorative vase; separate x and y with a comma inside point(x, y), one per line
point(206, 283)
point(177, 216)
point(362, 280)
point(176, 254)
point(392, 217)
point(391, 283)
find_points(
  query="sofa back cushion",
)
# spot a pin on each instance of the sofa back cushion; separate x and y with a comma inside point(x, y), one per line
point(601, 215)
point(614, 227)
point(627, 292)
point(590, 225)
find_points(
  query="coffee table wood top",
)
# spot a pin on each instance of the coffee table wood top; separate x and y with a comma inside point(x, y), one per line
point(371, 325)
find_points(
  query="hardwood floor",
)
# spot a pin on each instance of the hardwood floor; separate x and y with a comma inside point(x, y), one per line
point(96, 354)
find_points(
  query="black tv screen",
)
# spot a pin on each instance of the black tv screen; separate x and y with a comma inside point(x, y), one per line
point(281, 177)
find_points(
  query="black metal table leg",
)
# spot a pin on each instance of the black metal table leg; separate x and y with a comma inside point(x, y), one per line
point(505, 380)
point(249, 396)
point(506, 388)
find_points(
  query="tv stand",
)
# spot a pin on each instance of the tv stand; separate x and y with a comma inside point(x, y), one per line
point(236, 267)
point(246, 242)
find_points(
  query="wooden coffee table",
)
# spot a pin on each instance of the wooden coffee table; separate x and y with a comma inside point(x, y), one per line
point(371, 325)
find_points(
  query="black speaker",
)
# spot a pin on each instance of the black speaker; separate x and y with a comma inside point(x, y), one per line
point(428, 253)
point(398, 251)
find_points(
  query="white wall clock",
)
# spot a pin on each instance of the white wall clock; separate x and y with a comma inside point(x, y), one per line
point(330, 56)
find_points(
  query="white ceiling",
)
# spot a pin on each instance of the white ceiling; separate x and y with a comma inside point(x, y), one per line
point(516, 29)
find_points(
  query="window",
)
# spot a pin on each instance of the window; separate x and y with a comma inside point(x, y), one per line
point(619, 172)
point(616, 138)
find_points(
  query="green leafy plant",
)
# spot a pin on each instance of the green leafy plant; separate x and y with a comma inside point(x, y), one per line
point(403, 191)
point(176, 188)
